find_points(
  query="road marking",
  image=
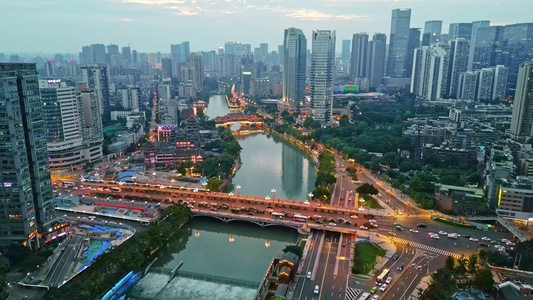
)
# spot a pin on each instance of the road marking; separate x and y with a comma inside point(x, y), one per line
point(325, 269)
point(427, 248)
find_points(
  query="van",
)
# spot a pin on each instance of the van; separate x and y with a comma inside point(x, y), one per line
point(364, 296)
point(317, 289)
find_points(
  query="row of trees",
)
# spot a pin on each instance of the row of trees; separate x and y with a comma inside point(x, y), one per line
point(325, 176)
point(222, 165)
point(133, 254)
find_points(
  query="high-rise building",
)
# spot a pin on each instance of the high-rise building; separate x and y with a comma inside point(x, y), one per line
point(501, 77)
point(399, 41)
point(466, 89)
point(91, 124)
point(180, 52)
point(294, 68)
point(359, 55)
point(488, 46)
point(264, 50)
point(432, 31)
point(194, 62)
point(522, 119)
point(260, 87)
point(346, 49)
point(517, 48)
point(414, 42)
point(458, 63)
point(27, 197)
point(97, 77)
point(62, 120)
point(126, 56)
point(99, 55)
point(430, 72)
point(475, 26)
point(485, 79)
point(460, 31)
point(166, 68)
point(130, 98)
point(322, 71)
point(376, 59)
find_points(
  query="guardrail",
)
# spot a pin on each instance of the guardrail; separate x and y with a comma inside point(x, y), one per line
point(513, 229)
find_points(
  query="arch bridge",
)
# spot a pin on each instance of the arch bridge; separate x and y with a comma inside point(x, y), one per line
point(263, 222)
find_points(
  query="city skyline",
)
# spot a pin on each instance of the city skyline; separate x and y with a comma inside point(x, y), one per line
point(119, 22)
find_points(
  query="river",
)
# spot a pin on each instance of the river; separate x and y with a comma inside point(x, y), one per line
point(228, 261)
point(269, 162)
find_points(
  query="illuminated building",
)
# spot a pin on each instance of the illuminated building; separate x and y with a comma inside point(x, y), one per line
point(322, 72)
point(27, 198)
point(294, 68)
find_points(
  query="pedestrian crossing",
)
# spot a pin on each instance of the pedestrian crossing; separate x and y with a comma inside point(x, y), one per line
point(351, 293)
point(427, 248)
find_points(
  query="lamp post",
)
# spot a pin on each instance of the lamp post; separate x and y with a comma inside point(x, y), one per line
point(230, 194)
point(273, 193)
point(310, 197)
point(205, 185)
point(267, 198)
point(238, 187)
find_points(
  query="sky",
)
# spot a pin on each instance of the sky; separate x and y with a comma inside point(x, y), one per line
point(64, 26)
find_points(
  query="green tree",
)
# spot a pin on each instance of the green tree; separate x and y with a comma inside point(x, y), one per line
point(294, 249)
point(213, 183)
point(416, 184)
point(472, 262)
point(484, 280)
point(344, 121)
point(449, 264)
point(482, 255)
point(391, 159)
point(367, 188)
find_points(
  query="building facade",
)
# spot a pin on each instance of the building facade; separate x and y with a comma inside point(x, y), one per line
point(294, 68)
point(522, 120)
point(399, 41)
point(322, 72)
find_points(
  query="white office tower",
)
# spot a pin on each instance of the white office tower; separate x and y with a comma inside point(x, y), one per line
point(294, 68)
point(130, 98)
point(91, 120)
point(163, 90)
point(97, 77)
point(430, 73)
point(322, 70)
point(458, 63)
point(522, 120)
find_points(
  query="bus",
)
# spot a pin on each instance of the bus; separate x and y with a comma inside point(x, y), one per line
point(236, 210)
point(67, 184)
point(382, 277)
point(300, 218)
point(277, 216)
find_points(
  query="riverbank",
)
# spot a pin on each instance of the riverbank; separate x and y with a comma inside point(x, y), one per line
point(295, 142)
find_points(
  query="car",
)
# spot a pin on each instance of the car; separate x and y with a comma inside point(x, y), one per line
point(400, 212)
point(343, 244)
point(473, 239)
point(413, 230)
point(372, 221)
point(421, 225)
point(363, 228)
point(332, 224)
point(395, 257)
point(392, 233)
point(389, 280)
point(399, 228)
point(435, 236)
point(457, 235)
point(495, 242)
point(398, 224)
point(510, 244)
point(214, 209)
point(484, 244)
point(443, 232)
point(364, 296)
point(431, 233)
point(318, 222)
point(505, 241)
point(485, 239)
point(328, 239)
point(308, 275)
point(353, 216)
point(400, 268)
point(383, 287)
point(452, 236)
point(317, 289)
point(373, 290)
point(317, 216)
point(251, 213)
point(375, 297)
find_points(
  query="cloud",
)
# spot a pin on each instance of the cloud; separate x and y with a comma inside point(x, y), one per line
point(125, 20)
point(313, 15)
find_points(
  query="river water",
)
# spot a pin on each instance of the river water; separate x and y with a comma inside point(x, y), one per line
point(228, 261)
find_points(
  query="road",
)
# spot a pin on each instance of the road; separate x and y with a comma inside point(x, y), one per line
point(62, 268)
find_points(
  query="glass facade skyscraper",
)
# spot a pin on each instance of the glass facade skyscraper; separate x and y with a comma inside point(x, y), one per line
point(322, 71)
point(399, 41)
point(294, 68)
point(26, 194)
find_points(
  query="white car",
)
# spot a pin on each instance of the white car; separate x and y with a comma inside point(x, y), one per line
point(457, 235)
point(485, 239)
point(389, 279)
point(473, 239)
point(372, 221)
point(363, 228)
point(443, 232)
point(510, 244)
point(353, 217)
point(317, 289)
point(413, 230)
point(375, 297)
point(505, 241)
point(308, 275)
point(435, 236)
point(383, 287)
point(400, 212)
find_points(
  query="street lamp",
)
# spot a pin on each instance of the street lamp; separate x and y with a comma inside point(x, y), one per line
point(230, 194)
point(238, 187)
point(310, 197)
point(267, 198)
point(204, 184)
point(273, 193)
